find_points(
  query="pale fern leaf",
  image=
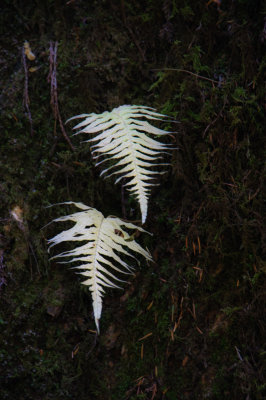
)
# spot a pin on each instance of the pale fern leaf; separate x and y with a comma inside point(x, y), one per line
point(103, 240)
point(123, 138)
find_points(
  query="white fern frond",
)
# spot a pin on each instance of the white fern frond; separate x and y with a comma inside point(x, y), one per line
point(101, 237)
point(123, 138)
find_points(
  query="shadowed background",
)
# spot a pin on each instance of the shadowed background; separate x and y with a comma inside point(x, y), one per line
point(191, 325)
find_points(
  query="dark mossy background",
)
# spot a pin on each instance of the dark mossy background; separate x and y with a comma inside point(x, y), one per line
point(202, 303)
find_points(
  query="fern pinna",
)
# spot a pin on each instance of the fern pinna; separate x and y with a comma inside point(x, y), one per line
point(123, 138)
point(103, 238)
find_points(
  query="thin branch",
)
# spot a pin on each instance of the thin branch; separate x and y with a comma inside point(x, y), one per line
point(54, 96)
point(217, 117)
point(188, 72)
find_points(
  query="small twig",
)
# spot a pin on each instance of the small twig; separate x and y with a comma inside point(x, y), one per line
point(186, 71)
point(54, 96)
point(239, 354)
point(193, 223)
point(2, 272)
point(214, 121)
point(26, 99)
point(34, 256)
point(131, 32)
point(93, 345)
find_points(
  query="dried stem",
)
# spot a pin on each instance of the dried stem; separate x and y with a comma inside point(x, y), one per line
point(54, 96)
point(26, 99)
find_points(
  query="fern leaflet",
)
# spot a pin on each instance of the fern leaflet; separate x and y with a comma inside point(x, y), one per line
point(103, 238)
point(124, 138)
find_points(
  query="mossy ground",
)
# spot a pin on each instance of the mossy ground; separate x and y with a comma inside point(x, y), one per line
point(191, 325)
